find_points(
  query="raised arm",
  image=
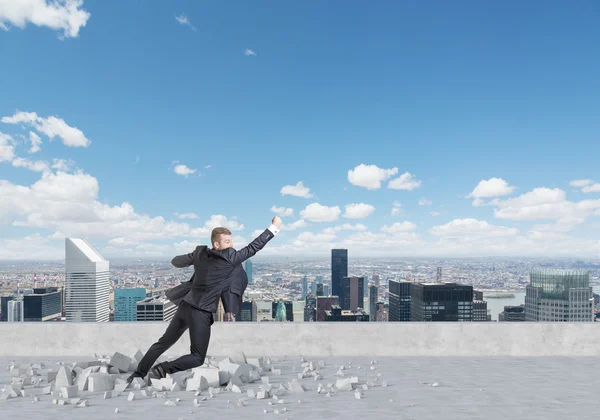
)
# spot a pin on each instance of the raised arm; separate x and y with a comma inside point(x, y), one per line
point(185, 260)
point(238, 257)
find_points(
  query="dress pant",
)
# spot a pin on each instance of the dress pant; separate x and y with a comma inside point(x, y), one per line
point(186, 317)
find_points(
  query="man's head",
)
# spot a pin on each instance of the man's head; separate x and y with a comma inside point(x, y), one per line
point(220, 238)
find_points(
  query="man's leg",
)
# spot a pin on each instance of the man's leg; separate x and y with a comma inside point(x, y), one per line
point(199, 323)
point(174, 331)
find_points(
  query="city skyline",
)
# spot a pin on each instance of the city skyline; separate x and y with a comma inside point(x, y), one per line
point(476, 138)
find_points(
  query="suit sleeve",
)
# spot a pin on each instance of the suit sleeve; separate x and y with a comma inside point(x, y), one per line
point(185, 260)
point(238, 257)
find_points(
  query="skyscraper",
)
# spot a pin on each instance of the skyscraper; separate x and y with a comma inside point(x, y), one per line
point(310, 308)
point(438, 276)
point(15, 310)
point(157, 308)
point(262, 310)
point(284, 309)
point(304, 287)
point(44, 304)
point(441, 302)
point(4, 307)
point(126, 303)
point(512, 314)
point(248, 267)
point(559, 296)
point(339, 270)
point(246, 313)
point(352, 296)
point(400, 301)
point(319, 290)
point(87, 283)
point(324, 303)
point(480, 311)
point(336, 314)
point(373, 294)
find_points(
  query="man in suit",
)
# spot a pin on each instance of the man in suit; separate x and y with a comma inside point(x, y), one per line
point(198, 299)
point(232, 296)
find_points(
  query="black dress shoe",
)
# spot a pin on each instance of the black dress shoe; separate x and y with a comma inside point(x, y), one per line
point(158, 372)
point(132, 377)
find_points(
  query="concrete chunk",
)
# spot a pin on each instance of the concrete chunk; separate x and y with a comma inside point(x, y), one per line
point(344, 384)
point(197, 384)
point(261, 395)
point(69, 391)
point(120, 361)
point(209, 373)
point(83, 403)
point(131, 396)
point(239, 357)
point(63, 377)
point(170, 403)
point(100, 382)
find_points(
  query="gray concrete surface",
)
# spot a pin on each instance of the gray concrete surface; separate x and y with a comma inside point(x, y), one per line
point(469, 388)
point(313, 339)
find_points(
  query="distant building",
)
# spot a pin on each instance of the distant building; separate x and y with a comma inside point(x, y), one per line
point(289, 309)
point(382, 313)
point(126, 303)
point(304, 287)
point(310, 308)
point(15, 311)
point(480, 312)
point(352, 296)
point(320, 291)
point(376, 279)
point(4, 307)
point(262, 310)
point(441, 302)
point(477, 295)
point(324, 303)
point(248, 267)
point(157, 308)
point(87, 283)
point(44, 304)
point(246, 313)
point(438, 277)
point(373, 295)
point(559, 296)
point(400, 301)
point(336, 314)
point(512, 314)
point(339, 270)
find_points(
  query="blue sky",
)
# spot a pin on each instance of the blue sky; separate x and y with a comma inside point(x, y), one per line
point(344, 97)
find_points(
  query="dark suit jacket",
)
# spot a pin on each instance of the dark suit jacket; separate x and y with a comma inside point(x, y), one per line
point(212, 272)
point(232, 296)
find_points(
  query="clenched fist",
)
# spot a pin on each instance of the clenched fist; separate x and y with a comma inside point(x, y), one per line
point(277, 222)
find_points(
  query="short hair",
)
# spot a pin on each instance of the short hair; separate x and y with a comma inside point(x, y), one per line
point(215, 236)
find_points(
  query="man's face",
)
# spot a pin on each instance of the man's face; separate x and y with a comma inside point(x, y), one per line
point(224, 242)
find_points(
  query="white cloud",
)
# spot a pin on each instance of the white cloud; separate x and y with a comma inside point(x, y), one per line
point(479, 202)
point(282, 211)
point(591, 188)
point(404, 182)
point(218, 220)
point(315, 212)
point(472, 227)
point(346, 226)
point(369, 176)
point(580, 183)
point(62, 165)
point(358, 211)
point(493, 187)
point(425, 202)
point(248, 52)
point(318, 237)
point(187, 215)
point(435, 213)
point(298, 190)
point(137, 159)
point(51, 127)
point(298, 224)
point(183, 170)
point(207, 166)
point(36, 166)
point(65, 15)
point(405, 226)
point(68, 203)
point(7, 148)
point(184, 20)
point(35, 142)
point(396, 210)
point(538, 204)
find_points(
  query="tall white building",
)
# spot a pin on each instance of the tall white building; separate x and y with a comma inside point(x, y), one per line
point(87, 283)
point(15, 312)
